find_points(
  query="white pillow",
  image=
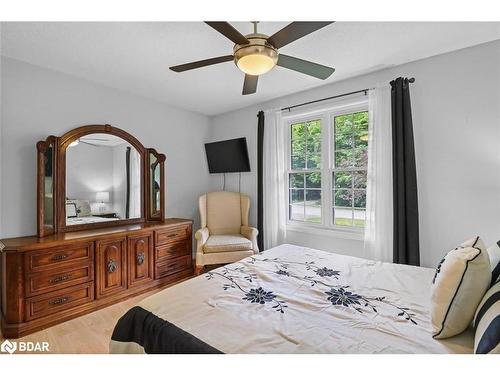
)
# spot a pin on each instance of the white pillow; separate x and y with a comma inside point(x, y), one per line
point(494, 254)
point(459, 284)
point(487, 323)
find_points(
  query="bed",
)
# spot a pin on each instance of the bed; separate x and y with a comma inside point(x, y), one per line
point(290, 299)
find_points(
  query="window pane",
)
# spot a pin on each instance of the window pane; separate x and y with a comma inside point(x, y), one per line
point(313, 144)
point(343, 159)
point(296, 209)
point(342, 179)
point(298, 140)
point(360, 198)
point(342, 216)
point(313, 206)
point(342, 197)
point(343, 123)
point(361, 139)
point(313, 180)
point(343, 141)
point(360, 121)
point(361, 158)
point(359, 218)
point(298, 162)
point(359, 179)
point(296, 180)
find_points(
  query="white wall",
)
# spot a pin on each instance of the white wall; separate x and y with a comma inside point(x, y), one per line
point(456, 114)
point(38, 102)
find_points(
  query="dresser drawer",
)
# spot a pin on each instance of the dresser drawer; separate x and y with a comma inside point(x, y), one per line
point(47, 281)
point(172, 266)
point(47, 259)
point(172, 250)
point(167, 235)
point(50, 303)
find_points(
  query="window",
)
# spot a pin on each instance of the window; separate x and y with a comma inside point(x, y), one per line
point(327, 168)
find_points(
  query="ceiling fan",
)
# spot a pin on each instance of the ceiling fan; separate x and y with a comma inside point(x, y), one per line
point(255, 54)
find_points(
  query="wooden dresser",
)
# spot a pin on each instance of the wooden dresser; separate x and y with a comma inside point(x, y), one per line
point(45, 281)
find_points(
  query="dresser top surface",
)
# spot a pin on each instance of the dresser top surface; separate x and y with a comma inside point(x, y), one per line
point(33, 242)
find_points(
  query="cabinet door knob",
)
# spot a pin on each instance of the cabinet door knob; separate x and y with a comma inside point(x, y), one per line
point(112, 265)
point(140, 258)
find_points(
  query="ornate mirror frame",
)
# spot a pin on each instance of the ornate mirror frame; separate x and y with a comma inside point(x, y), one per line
point(59, 146)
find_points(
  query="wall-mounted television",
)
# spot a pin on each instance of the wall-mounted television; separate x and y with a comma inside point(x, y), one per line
point(228, 156)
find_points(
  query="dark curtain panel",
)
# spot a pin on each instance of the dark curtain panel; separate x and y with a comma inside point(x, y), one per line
point(260, 180)
point(406, 239)
point(127, 166)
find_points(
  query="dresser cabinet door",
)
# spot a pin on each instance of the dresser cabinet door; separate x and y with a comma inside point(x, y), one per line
point(140, 259)
point(111, 266)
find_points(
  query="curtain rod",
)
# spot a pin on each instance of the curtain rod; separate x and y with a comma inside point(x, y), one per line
point(411, 80)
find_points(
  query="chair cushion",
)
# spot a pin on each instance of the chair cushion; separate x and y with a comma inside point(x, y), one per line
point(222, 243)
point(223, 212)
point(459, 284)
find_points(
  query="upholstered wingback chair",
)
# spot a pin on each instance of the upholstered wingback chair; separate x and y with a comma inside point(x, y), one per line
point(224, 236)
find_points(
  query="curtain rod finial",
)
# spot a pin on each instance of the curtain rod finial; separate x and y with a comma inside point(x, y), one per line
point(411, 80)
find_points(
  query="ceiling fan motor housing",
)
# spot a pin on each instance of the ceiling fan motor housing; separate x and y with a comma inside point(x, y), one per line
point(257, 57)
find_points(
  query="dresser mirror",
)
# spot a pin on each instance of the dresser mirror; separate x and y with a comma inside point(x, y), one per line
point(97, 176)
point(103, 180)
point(155, 178)
point(46, 185)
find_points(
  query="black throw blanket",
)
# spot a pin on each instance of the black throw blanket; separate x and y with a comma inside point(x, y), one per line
point(156, 335)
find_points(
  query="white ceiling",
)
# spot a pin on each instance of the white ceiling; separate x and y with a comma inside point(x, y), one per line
point(135, 56)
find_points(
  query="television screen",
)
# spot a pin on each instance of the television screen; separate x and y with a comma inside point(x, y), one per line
point(228, 156)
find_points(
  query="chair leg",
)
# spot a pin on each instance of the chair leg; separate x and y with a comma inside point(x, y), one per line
point(198, 270)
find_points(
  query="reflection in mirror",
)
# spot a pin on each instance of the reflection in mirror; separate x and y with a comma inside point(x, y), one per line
point(155, 185)
point(48, 187)
point(103, 180)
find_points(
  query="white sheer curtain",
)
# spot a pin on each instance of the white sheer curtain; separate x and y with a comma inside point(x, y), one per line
point(379, 205)
point(135, 184)
point(274, 179)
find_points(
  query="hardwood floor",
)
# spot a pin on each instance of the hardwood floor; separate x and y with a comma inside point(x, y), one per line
point(88, 334)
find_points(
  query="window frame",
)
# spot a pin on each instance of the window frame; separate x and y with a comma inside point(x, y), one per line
point(326, 115)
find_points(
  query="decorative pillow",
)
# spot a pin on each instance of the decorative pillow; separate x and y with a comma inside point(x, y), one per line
point(82, 207)
point(459, 284)
point(487, 323)
point(494, 254)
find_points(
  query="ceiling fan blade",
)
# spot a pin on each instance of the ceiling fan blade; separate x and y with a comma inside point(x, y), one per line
point(201, 63)
point(294, 31)
point(304, 66)
point(250, 84)
point(229, 32)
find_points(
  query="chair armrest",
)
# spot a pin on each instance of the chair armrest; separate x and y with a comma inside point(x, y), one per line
point(201, 236)
point(251, 234)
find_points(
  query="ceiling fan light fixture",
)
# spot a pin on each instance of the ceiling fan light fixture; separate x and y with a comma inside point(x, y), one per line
point(257, 57)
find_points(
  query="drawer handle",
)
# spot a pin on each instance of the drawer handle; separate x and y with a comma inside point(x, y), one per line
point(59, 301)
point(172, 235)
point(59, 279)
point(140, 258)
point(112, 266)
point(58, 257)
